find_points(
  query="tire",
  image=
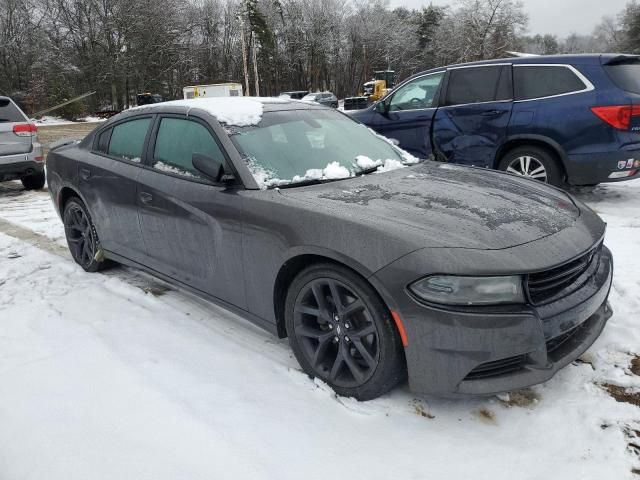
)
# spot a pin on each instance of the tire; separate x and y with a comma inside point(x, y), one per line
point(528, 161)
point(34, 181)
point(352, 344)
point(82, 237)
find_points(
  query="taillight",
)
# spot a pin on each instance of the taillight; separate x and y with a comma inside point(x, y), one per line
point(25, 129)
point(618, 116)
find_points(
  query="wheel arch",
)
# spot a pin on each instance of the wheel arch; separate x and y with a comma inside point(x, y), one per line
point(539, 141)
point(299, 260)
point(68, 191)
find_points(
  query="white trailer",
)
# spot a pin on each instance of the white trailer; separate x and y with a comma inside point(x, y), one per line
point(215, 90)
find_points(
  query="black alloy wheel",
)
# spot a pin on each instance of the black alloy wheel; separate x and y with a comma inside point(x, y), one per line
point(342, 333)
point(82, 237)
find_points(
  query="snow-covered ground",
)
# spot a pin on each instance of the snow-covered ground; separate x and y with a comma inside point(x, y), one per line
point(116, 375)
point(48, 120)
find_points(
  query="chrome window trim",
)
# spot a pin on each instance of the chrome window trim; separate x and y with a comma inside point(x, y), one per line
point(589, 87)
point(479, 66)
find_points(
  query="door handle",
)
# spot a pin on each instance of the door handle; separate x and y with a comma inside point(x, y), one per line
point(85, 173)
point(145, 197)
point(492, 113)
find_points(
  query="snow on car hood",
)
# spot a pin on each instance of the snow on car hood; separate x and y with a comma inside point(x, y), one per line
point(439, 205)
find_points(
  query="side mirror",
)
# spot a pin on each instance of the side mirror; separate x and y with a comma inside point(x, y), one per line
point(211, 168)
point(382, 107)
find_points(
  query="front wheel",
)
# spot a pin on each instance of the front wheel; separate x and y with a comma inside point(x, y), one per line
point(82, 237)
point(341, 332)
point(534, 163)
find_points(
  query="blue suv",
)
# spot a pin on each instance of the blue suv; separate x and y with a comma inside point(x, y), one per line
point(559, 119)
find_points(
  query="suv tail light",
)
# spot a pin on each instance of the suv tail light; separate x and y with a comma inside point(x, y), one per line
point(25, 129)
point(618, 116)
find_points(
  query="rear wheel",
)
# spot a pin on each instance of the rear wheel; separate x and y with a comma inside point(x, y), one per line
point(82, 237)
point(532, 162)
point(341, 332)
point(35, 181)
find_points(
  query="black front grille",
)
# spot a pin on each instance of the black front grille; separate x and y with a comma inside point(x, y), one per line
point(498, 367)
point(544, 286)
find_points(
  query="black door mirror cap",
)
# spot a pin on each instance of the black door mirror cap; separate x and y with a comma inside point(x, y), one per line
point(211, 168)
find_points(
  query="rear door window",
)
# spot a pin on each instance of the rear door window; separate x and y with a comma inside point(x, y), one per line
point(127, 139)
point(540, 81)
point(625, 74)
point(9, 112)
point(177, 141)
point(479, 85)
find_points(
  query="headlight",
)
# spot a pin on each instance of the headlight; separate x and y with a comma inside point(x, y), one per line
point(450, 290)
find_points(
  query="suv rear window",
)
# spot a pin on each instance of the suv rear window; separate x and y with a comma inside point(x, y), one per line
point(9, 112)
point(625, 75)
point(539, 81)
point(479, 85)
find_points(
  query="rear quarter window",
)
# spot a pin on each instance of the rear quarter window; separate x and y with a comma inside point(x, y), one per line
point(127, 139)
point(9, 112)
point(625, 75)
point(531, 82)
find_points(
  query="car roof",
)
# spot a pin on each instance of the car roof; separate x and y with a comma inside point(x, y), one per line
point(583, 59)
point(219, 107)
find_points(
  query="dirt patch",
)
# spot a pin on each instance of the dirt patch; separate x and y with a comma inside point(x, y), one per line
point(622, 394)
point(421, 410)
point(47, 134)
point(635, 365)
point(487, 416)
point(521, 398)
point(156, 289)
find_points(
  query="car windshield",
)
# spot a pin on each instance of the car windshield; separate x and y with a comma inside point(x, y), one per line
point(294, 147)
point(311, 97)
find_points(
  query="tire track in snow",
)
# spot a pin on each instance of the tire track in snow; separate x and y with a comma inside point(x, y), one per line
point(32, 238)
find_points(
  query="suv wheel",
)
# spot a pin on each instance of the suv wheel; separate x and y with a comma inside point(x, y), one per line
point(532, 162)
point(34, 181)
point(82, 237)
point(341, 332)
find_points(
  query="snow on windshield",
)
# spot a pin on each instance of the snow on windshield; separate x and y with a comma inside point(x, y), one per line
point(333, 171)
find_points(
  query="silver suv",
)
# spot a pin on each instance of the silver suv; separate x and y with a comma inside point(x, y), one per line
point(20, 152)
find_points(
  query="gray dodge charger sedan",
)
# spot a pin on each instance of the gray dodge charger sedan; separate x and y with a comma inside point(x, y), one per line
point(376, 266)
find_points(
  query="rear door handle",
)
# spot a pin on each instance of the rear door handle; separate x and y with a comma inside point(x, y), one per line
point(85, 173)
point(492, 113)
point(145, 197)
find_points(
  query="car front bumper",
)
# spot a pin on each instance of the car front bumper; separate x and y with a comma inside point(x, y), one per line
point(482, 351)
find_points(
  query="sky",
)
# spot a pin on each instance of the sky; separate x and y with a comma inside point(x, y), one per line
point(558, 17)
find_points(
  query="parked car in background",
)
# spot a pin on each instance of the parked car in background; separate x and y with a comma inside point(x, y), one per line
point(323, 98)
point(20, 152)
point(294, 95)
point(468, 281)
point(567, 118)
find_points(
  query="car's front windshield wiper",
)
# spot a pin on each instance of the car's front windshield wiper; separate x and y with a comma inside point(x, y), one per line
point(311, 181)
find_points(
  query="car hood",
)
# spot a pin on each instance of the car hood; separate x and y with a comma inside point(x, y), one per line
point(441, 205)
